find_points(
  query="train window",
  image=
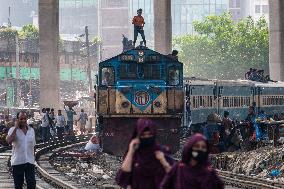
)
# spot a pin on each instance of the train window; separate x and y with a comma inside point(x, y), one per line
point(211, 101)
point(173, 76)
point(156, 72)
point(107, 76)
point(146, 71)
point(123, 71)
point(132, 69)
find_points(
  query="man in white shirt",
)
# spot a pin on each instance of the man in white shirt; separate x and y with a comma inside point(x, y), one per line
point(44, 125)
point(60, 124)
point(22, 138)
point(83, 118)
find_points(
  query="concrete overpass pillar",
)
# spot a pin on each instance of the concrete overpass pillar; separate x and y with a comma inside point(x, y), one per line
point(48, 55)
point(163, 26)
point(276, 39)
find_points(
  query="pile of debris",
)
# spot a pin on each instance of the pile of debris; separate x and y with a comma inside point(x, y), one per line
point(88, 169)
point(265, 162)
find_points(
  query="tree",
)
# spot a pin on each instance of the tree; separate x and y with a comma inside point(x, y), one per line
point(224, 49)
point(7, 33)
point(29, 32)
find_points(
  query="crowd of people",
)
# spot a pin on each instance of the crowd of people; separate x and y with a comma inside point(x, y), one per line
point(146, 164)
point(57, 125)
point(257, 75)
point(224, 134)
point(50, 124)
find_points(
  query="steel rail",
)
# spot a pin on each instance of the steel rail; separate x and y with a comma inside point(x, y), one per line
point(248, 181)
point(46, 147)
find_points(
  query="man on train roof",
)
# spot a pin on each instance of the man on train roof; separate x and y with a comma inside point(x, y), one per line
point(138, 22)
point(173, 55)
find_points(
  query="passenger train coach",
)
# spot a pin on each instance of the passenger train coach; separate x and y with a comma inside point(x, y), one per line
point(139, 83)
point(205, 96)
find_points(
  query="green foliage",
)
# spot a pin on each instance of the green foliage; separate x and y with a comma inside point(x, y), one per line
point(224, 49)
point(7, 33)
point(96, 40)
point(29, 32)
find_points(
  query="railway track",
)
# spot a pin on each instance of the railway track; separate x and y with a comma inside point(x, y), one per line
point(46, 171)
point(230, 179)
point(248, 182)
point(48, 178)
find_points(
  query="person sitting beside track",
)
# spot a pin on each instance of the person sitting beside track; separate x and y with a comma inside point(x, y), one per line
point(93, 144)
point(194, 170)
point(145, 163)
point(212, 132)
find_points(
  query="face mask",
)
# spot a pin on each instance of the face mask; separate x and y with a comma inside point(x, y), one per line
point(199, 155)
point(146, 142)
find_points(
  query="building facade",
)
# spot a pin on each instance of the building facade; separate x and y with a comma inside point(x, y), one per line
point(73, 71)
point(244, 8)
point(184, 12)
point(74, 15)
point(21, 12)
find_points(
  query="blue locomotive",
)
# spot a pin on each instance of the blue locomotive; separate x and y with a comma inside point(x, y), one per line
point(139, 83)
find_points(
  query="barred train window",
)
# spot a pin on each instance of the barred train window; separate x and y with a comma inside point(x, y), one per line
point(201, 102)
point(273, 100)
point(236, 101)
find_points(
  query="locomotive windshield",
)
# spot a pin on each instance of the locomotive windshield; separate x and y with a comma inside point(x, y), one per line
point(141, 71)
point(107, 76)
point(173, 76)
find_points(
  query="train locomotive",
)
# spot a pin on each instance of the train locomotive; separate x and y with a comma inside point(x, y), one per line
point(139, 83)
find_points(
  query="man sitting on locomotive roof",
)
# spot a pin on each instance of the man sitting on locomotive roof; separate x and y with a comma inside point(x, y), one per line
point(138, 22)
point(174, 55)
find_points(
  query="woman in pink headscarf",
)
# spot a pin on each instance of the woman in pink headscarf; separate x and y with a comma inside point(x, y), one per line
point(145, 164)
point(194, 170)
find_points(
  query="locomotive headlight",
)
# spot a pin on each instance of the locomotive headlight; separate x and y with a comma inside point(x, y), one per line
point(141, 53)
point(125, 104)
point(140, 59)
point(158, 104)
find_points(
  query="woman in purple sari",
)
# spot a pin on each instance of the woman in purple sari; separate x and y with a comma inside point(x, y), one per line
point(144, 165)
point(194, 170)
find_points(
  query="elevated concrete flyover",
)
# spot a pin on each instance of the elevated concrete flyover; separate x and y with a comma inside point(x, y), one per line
point(276, 39)
point(49, 35)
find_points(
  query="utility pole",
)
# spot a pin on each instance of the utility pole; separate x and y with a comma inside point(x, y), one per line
point(18, 71)
point(88, 59)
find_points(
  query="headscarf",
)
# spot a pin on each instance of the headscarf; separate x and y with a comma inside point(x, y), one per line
point(145, 157)
point(185, 176)
point(143, 124)
point(186, 157)
point(147, 171)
